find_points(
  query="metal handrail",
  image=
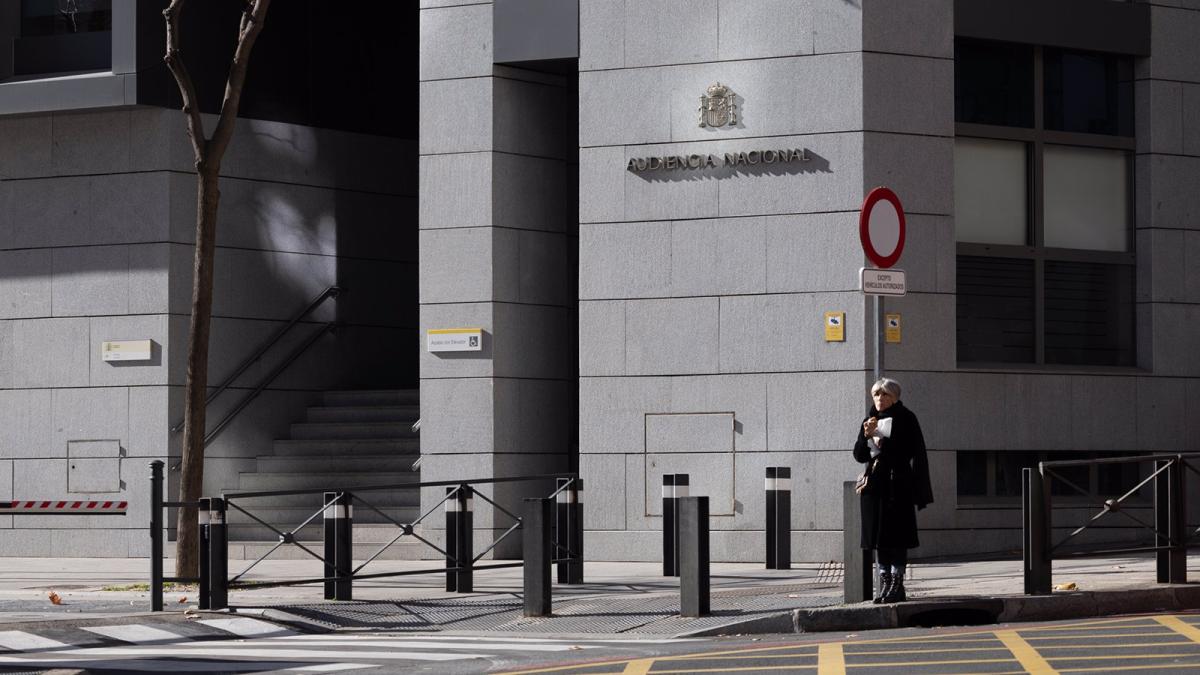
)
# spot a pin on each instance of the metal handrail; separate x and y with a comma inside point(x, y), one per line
point(330, 292)
point(266, 381)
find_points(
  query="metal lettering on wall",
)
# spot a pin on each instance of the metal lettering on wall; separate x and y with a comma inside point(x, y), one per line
point(711, 161)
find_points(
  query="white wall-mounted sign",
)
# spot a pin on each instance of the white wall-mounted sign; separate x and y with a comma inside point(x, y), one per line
point(454, 339)
point(126, 350)
point(881, 282)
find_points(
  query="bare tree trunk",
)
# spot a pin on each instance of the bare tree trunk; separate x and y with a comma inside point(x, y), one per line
point(208, 155)
point(208, 195)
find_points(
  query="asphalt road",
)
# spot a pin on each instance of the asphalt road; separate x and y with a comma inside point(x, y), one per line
point(1139, 644)
point(1132, 644)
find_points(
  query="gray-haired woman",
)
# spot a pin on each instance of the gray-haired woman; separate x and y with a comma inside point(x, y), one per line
point(890, 443)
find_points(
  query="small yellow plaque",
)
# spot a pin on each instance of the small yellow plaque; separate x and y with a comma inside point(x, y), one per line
point(126, 350)
point(891, 328)
point(835, 326)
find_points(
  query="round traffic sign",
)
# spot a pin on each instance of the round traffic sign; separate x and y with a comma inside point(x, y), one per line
point(881, 227)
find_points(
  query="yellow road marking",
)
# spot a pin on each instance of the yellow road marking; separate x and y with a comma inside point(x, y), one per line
point(1173, 666)
point(1122, 657)
point(746, 669)
point(1180, 626)
point(830, 659)
point(1025, 654)
point(1095, 637)
point(638, 667)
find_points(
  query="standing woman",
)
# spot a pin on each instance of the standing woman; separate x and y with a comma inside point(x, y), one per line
point(896, 485)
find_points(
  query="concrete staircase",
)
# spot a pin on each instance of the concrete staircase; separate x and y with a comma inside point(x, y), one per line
point(353, 438)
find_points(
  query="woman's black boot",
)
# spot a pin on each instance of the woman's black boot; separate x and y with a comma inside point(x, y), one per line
point(895, 592)
point(885, 587)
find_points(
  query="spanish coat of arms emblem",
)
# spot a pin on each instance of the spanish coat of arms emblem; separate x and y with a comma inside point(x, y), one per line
point(717, 108)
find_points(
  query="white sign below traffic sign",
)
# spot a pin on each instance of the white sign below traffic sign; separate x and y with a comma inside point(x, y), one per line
point(881, 282)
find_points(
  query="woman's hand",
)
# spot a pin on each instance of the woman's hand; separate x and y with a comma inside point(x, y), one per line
point(869, 426)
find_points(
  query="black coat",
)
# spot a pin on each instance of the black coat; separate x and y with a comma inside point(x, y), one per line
point(900, 482)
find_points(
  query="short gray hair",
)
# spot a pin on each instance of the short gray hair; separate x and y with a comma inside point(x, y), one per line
point(888, 385)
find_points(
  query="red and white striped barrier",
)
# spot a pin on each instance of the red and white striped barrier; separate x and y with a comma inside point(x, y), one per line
point(81, 508)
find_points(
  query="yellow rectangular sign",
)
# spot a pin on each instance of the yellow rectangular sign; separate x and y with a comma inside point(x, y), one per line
point(126, 350)
point(835, 326)
point(891, 328)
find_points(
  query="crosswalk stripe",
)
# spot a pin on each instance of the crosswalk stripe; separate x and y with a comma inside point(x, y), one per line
point(332, 667)
point(317, 641)
point(21, 641)
point(135, 633)
point(246, 627)
point(247, 653)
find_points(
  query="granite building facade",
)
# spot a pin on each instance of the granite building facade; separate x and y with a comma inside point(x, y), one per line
point(647, 206)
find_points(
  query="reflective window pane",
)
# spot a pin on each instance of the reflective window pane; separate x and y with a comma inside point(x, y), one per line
point(1086, 198)
point(1089, 313)
point(1088, 93)
point(993, 83)
point(990, 191)
point(59, 17)
point(972, 473)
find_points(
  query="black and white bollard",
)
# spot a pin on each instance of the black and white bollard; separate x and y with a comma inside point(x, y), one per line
point(674, 487)
point(538, 549)
point(156, 539)
point(1035, 548)
point(459, 539)
point(858, 573)
point(779, 517)
point(339, 546)
point(693, 557)
point(218, 555)
point(203, 520)
point(568, 530)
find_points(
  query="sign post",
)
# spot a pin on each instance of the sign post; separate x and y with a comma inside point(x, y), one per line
point(881, 230)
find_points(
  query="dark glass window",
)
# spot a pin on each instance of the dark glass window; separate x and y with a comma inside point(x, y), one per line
point(995, 306)
point(1008, 471)
point(972, 473)
point(993, 83)
point(63, 17)
point(1088, 93)
point(1089, 313)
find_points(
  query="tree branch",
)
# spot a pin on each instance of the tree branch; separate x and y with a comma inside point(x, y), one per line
point(251, 26)
point(187, 89)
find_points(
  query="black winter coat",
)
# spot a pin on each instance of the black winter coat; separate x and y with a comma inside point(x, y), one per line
point(900, 483)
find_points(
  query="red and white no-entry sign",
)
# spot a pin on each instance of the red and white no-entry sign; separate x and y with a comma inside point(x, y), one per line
point(881, 227)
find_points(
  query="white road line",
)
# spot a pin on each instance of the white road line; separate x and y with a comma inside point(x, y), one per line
point(333, 667)
point(482, 639)
point(116, 665)
point(21, 641)
point(251, 653)
point(246, 627)
point(317, 641)
point(135, 633)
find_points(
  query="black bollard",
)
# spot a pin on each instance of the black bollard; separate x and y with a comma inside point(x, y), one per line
point(858, 574)
point(156, 536)
point(779, 517)
point(459, 539)
point(538, 551)
point(218, 555)
point(693, 557)
point(339, 546)
point(205, 556)
point(675, 486)
point(1035, 547)
point(1169, 514)
point(568, 530)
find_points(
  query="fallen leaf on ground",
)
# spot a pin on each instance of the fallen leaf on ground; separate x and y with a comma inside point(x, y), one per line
point(183, 599)
point(1069, 586)
point(54, 598)
point(574, 647)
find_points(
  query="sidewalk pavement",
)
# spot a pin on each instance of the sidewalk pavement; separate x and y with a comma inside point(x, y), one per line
point(629, 599)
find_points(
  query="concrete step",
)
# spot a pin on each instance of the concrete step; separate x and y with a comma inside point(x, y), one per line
point(372, 397)
point(410, 447)
point(254, 482)
point(401, 550)
point(364, 533)
point(363, 413)
point(350, 430)
point(332, 465)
